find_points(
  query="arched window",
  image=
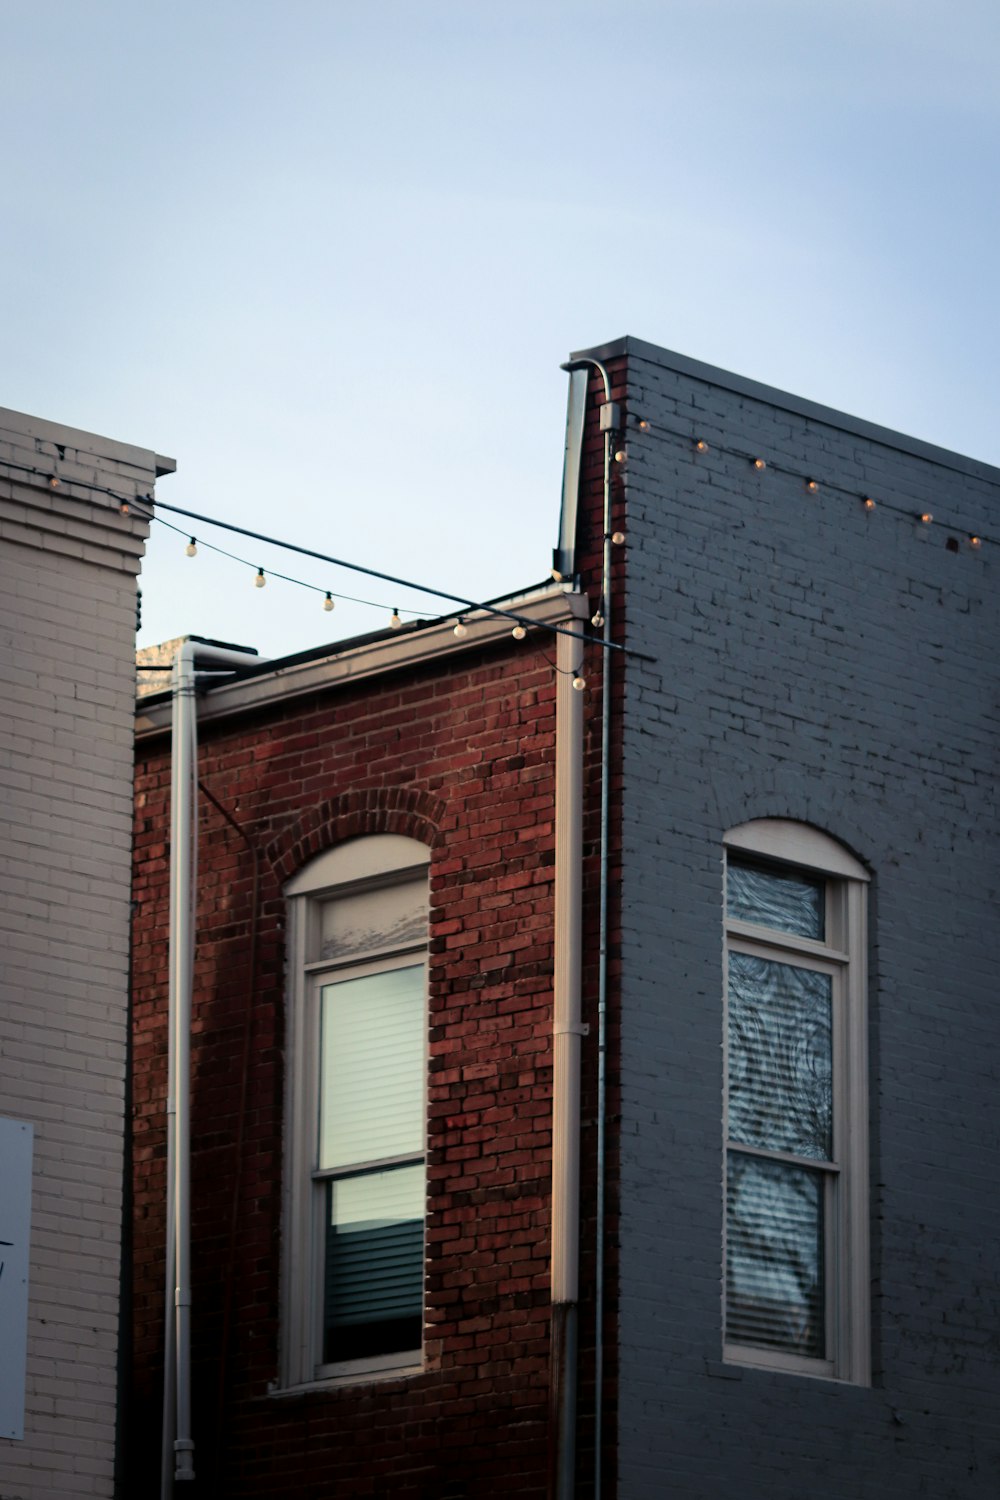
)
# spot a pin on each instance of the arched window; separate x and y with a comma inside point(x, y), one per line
point(796, 1102)
point(356, 1111)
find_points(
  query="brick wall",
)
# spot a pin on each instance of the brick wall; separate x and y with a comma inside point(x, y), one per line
point(68, 560)
point(458, 754)
point(819, 662)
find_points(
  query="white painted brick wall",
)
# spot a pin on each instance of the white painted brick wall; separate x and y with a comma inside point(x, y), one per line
point(68, 560)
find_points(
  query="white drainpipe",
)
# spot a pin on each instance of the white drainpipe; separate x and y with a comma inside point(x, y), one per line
point(178, 1447)
point(568, 1028)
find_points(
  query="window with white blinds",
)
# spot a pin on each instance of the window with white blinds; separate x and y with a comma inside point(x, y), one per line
point(354, 1277)
point(370, 1161)
point(796, 1229)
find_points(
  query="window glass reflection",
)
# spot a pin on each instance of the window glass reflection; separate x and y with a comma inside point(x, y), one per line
point(771, 898)
point(373, 1282)
point(774, 1256)
point(780, 1057)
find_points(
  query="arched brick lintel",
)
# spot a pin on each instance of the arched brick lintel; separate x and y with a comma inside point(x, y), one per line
point(403, 810)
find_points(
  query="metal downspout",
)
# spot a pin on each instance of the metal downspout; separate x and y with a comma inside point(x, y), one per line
point(177, 1454)
point(610, 418)
point(182, 686)
point(567, 1028)
point(602, 981)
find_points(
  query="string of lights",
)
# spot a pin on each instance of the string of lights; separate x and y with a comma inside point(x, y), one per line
point(329, 595)
point(521, 623)
point(700, 445)
point(131, 504)
point(814, 486)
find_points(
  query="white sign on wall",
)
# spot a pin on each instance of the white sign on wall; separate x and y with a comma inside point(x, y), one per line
point(15, 1231)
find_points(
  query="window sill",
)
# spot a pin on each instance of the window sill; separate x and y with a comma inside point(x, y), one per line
point(335, 1382)
point(736, 1361)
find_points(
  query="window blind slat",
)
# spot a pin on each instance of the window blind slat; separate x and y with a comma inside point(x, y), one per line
point(372, 1067)
point(774, 1256)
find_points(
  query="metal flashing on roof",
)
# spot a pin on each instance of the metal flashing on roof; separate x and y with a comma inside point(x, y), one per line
point(564, 556)
point(263, 683)
point(682, 364)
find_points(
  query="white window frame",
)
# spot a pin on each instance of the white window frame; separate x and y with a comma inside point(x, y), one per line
point(369, 863)
point(843, 953)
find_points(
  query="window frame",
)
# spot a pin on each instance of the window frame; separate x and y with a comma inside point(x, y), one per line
point(843, 953)
point(370, 863)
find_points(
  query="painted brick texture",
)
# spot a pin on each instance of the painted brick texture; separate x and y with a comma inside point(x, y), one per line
point(460, 755)
point(818, 662)
point(68, 562)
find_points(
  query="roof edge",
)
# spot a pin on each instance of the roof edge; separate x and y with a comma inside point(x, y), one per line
point(267, 683)
point(696, 369)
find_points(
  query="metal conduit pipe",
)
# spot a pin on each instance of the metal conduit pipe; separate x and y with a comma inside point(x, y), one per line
point(567, 1030)
point(177, 1459)
point(610, 423)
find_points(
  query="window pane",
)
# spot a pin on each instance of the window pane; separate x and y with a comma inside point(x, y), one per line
point(372, 1067)
point(780, 1057)
point(791, 903)
point(774, 1256)
point(373, 1283)
point(392, 917)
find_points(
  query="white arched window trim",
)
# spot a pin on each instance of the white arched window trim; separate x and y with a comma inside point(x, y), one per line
point(355, 912)
point(778, 846)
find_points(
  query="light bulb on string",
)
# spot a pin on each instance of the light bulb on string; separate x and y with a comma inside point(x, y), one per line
point(618, 537)
point(123, 508)
point(975, 541)
point(328, 602)
point(54, 481)
point(620, 456)
point(519, 632)
point(579, 683)
point(812, 486)
point(700, 445)
point(926, 517)
point(643, 425)
point(395, 623)
point(192, 548)
point(869, 504)
point(759, 463)
point(460, 630)
point(597, 619)
point(260, 580)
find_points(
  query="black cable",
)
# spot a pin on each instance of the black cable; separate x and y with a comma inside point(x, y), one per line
point(419, 588)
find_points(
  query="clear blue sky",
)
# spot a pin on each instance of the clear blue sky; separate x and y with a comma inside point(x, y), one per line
point(329, 256)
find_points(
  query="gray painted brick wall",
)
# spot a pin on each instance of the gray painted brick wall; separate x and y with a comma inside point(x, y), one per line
point(68, 565)
point(816, 662)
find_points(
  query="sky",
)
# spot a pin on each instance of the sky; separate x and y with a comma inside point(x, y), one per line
point(329, 256)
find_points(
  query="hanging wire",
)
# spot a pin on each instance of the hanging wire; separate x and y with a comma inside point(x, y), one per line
point(814, 484)
point(284, 577)
point(407, 583)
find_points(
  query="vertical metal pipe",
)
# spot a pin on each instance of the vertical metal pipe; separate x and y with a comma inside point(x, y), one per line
point(602, 982)
point(177, 1460)
point(567, 1029)
point(610, 421)
point(178, 683)
point(183, 771)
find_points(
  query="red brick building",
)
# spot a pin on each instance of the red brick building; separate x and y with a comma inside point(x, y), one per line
point(432, 1215)
point(386, 830)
